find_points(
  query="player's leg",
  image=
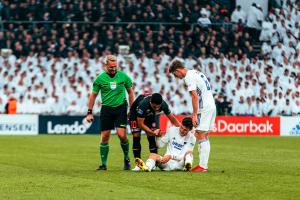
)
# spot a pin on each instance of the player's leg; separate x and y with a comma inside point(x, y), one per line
point(150, 163)
point(188, 161)
point(104, 149)
point(120, 116)
point(136, 137)
point(152, 144)
point(151, 139)
point(206, 124)
point(152, 160)
point(136, 147)
point(136, 144)
point(106, 126)
point(204, 151)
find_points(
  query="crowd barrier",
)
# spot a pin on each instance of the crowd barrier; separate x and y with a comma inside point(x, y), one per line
point(229, 125)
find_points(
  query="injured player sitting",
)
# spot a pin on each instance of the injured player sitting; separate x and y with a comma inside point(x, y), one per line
point(179, 155)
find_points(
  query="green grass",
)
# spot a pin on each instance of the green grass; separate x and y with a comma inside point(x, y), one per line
point(63, 167)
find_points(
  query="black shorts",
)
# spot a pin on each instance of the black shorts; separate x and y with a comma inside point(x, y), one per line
point(149, 122)
point(113, 117)
point(133, 123)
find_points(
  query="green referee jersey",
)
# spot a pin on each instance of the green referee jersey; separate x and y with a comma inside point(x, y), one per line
point(113, 90)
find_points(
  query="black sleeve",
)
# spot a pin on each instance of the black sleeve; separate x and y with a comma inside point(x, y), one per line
point(136, 102)
point(141, 111)
point(165, 108)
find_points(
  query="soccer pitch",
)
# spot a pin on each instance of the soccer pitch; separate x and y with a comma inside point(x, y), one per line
point(63, 167)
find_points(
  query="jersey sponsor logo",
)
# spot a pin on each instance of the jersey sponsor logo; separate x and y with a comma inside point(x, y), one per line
point(140, 111)
point(177, 145)
point(113, 85)
point(153, 125)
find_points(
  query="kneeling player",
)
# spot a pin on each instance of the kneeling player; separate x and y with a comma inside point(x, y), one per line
point(179, 155)
point(143, 113)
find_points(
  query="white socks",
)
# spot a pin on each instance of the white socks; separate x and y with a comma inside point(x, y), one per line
point(204, 150)
point(150, 163)
point(189, 158)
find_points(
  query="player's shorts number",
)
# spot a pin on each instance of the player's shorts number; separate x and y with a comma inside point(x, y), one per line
point(133, 124)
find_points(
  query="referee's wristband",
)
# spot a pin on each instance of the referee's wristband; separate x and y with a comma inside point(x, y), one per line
point(90, 111)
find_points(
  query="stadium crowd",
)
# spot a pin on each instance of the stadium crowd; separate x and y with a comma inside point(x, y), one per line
point(241, 86)
point(94, 37)
point(54, 64)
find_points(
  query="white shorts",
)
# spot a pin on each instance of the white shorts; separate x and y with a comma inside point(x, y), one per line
point(172, 165)
point(206, 120)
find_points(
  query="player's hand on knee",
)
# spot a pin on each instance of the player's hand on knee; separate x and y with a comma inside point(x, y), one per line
point(165, 159)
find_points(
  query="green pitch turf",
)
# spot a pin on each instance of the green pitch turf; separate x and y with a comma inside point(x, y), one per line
point(63, 167)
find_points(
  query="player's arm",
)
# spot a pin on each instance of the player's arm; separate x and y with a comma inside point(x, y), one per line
point(162, 141)
point(170, 116)
point(173, 120)
point(142, 125)
point(195, 100)
point(130, 95)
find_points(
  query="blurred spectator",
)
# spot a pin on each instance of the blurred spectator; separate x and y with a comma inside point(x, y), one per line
point(11, 105)
point(238, 14)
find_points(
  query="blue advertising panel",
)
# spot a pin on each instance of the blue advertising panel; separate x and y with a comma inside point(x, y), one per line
point(68, 125)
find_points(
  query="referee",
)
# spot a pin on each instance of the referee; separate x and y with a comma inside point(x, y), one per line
point(112, 85)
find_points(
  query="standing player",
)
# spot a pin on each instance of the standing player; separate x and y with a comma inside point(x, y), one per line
point(179, 155)
point(204, 108)
point(112, 83)
point(143, 115)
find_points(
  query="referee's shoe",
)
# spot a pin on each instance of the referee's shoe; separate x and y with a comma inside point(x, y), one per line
point(102, 167)
point(127, 165)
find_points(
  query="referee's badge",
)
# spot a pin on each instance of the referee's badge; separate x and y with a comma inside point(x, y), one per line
point(113, 85)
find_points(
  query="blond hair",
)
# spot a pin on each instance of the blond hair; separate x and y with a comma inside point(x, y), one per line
point(109, 58)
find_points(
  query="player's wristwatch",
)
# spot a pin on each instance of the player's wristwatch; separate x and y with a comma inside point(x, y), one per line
point(89, 112)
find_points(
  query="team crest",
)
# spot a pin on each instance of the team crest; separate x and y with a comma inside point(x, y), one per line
point(113, 85)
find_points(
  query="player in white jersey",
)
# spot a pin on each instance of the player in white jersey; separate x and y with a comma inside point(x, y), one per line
point(179, 155)
point(204, 108)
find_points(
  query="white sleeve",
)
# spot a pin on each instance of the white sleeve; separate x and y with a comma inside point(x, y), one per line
point(190, 84)
point(162, 141)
